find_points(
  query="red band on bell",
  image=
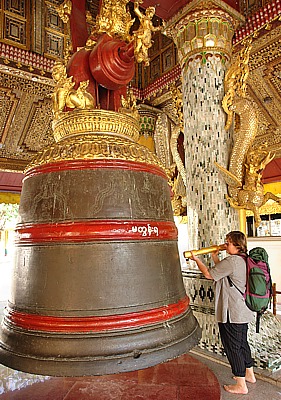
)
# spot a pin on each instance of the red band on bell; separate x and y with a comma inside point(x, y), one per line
point(96, 164)
point(86, 231)
point(96, 324)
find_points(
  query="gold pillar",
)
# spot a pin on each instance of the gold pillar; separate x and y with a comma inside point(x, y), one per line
point(242, 221)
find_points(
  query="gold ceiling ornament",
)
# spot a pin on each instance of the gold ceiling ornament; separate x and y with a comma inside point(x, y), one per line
point(235, 81)
point(114, 19)
point(95, 147)
point(65, 95)
point(64, 10)
point(96, 121)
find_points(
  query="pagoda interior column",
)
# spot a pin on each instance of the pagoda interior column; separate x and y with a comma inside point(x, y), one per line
point(203, 34)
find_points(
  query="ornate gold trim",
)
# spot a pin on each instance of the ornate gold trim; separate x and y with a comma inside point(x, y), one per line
point(198, 9)
point(79, 122)
point(95, 147)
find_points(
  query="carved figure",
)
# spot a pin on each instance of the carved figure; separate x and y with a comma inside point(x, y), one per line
point(80, 98)
point(243, 177)
point(179, 179)
point(65, 95)
point(105, 59)
point(129, 104)
point(245, 189)
point(250, 193)
point(142, 37)
point(235, 81)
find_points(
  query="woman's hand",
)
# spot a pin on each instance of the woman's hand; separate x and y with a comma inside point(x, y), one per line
point(193, 257)
point(215, 256)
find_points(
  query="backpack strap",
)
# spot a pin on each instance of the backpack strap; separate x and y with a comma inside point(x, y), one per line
point(231, 284)
point(258, 322)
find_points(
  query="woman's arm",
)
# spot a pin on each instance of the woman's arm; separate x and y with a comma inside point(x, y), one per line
point(201, 266)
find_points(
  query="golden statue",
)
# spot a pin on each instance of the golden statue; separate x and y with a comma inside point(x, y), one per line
point(235, 81)
point(243, 177)
point(129, 104)
point(65, 95)
point(142, 37)
point(179, 179)
point(248, 193)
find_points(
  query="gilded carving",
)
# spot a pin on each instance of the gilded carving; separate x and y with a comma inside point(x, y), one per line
point(65, 96)
point(95, 146)
point(114, 19)
point(142, 37)
point(179, 181)
point(245, 189)
point(64, 10)
point(96, 121)
point(235, 81)
point(129, 105)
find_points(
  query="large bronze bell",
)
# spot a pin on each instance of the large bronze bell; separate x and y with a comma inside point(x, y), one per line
point(97, 286)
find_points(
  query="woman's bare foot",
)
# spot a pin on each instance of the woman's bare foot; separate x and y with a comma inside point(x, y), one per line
point(250, 376)
point(248, 379)
point(237, 389)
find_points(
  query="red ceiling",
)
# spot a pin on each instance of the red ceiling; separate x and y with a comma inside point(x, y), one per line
point(11, 182)
point(165, 9)
point(272, 172)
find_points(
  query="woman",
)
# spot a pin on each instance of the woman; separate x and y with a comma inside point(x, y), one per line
point(232, 313)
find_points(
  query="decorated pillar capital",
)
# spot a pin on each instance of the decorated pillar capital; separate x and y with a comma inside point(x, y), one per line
point(202, 27)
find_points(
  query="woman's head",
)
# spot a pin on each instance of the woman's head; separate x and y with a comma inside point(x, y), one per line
point(238, 239)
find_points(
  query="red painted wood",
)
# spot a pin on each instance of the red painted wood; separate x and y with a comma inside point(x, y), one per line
point(78, 25)
point(86, 231)
point(96, 324)
point(96, 164)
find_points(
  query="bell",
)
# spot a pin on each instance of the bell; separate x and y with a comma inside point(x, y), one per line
point(97, 285)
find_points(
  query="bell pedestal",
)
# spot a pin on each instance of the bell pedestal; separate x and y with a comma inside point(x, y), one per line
point(97, 285)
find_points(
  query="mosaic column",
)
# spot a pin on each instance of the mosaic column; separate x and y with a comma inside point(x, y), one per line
point(203, 35)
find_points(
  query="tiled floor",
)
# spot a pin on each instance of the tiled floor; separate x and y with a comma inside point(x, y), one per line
point(185, 378)
point(267, 387)
point(195, 376)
